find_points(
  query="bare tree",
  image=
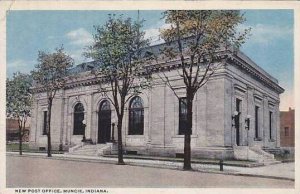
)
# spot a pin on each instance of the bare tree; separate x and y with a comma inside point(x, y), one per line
point(195, 37)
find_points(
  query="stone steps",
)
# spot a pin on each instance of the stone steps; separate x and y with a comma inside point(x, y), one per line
point(85, 151)
point(253, 154)
point(262, 152)
point(270, 162)
point(91, 150)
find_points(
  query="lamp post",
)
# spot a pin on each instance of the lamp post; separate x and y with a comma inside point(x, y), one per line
point(113, 133)
point(235, 124)
point(247, 127)
point(84, 125)
point(113, 130)
point(234, 115)
point(247, 121)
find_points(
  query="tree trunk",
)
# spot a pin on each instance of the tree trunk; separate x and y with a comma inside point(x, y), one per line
point(20, 140)
point(120, 146)
point(188, 132)
point(49, 128)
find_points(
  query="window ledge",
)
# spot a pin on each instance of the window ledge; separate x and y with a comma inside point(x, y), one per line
point(182, 136)
point(135, 136)
point(271, 140)
point(258, 139)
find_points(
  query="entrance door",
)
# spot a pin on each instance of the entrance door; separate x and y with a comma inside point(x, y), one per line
point(104, 122)
point(237, 122)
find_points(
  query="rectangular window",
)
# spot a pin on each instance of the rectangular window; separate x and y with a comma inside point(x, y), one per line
point(237, 120)
point(286, 131)
point(238, 104)
point(256, 121)
point(136, 121)
point(182, 115)
point(45, 123)
point(270, 124)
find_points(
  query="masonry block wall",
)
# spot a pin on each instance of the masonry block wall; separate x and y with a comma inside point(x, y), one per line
point(214, 134)
point(287, 128)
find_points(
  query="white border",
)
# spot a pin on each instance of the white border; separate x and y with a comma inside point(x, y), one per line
point(148, 5)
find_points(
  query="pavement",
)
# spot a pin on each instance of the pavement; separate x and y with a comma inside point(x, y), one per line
point(285, 171)
point(41, 172)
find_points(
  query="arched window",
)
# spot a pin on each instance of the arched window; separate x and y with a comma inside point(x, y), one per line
point(105, 105)
point(78, 118)
point(136, 116)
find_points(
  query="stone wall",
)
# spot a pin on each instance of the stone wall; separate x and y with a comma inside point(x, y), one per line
point(213, 133)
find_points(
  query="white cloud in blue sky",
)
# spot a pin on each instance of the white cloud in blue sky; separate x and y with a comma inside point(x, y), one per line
point(270, 45)
point(78, 40)
point(80, 37)
point(265, 34)
point(18, 65)
point(152, 32)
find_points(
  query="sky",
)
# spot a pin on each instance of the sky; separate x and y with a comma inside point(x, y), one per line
point(270, 44)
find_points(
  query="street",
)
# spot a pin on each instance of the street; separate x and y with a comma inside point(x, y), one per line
point(43, 172)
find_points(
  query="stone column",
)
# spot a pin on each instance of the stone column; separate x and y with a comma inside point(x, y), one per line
point(277, 124)
point(228, 110)
point(265, 124)
point(89, 126)
point(149, 116)
point(233, 142)
point(251, 113)
point(34, 121)
point(62, 121)
point(157, 115)
point(65, 120)
point(94, 131)
point(146, 117)
point(124, 126)
point(69, 123)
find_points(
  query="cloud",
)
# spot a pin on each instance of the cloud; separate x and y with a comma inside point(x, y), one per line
point(262, 33)
point(153, 33)
point(16, 63)
point(77, 55)
point(20, 65)
point(80, 37)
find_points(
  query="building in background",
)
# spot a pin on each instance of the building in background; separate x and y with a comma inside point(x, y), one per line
point(287, 128)
point(12, 130)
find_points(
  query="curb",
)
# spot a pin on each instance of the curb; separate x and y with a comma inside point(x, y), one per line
point(250, 165)
point(161, 166)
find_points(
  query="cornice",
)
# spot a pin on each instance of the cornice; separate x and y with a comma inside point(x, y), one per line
point(255, 73)
point(87, 79)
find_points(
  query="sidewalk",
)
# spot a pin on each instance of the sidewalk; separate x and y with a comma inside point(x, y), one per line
point(277, 171)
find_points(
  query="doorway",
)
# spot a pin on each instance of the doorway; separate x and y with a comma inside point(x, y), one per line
point(104, 122)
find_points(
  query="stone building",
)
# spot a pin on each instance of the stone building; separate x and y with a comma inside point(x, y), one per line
point(235, 115)
point(287, 128)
